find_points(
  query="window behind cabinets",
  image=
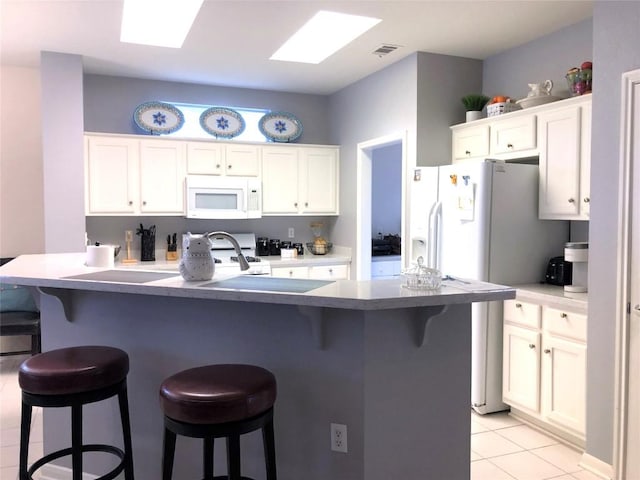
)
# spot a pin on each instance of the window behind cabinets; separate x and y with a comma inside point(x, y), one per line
point(192, 128)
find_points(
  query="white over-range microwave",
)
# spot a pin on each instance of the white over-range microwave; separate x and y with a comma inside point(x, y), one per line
point(213, 197)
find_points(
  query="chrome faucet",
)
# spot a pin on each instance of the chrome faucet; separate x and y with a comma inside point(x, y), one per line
point(244, 265)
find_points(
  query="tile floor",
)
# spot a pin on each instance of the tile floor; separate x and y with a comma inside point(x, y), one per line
point(502, 448)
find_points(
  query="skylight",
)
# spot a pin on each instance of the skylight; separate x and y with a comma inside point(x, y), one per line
point(322, 36)
point(161, 23)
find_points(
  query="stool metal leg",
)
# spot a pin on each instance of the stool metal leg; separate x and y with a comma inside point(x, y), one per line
point(168, 452)
point(268, 439)
point(76, 441)
point(207, 458)
point(126, 433)
point(25, 432)
point(233, 457)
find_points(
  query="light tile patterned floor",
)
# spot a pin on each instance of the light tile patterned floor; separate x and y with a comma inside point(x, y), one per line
point(502, 448)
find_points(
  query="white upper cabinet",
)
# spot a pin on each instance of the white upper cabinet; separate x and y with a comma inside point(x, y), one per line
point(470, 143)
point(126, 176)
point(111, 172)
point(208, 158)
point(564, 137)
point(162, 173)
point(516, 134)
point(299, 180)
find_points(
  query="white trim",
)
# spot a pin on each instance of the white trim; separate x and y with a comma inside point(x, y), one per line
point(596, 466)
point(363, 200)
point(55, 472)
point(622, 269)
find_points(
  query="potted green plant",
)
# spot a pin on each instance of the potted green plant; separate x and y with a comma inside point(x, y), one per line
point(473, 104)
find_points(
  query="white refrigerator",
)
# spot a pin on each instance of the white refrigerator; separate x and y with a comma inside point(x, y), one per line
point(479, 220)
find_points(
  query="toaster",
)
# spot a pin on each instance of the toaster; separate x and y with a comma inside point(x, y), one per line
point(558, 272)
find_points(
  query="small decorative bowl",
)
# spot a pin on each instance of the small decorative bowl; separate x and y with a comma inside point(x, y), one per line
point(420, 277)
point(319, 248)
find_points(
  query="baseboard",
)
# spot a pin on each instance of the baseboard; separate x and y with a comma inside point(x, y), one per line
point(596, 466)
point(54, 472)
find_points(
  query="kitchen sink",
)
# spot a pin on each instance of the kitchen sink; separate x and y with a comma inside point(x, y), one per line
point(268, 284)
point(124, 276)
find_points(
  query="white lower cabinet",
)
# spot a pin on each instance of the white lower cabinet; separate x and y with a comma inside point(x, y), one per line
point(316, 272)
point(544, 365)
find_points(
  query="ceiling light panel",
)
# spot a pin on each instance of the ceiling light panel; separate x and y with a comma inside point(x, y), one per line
point(323, 35)
point(161, 23)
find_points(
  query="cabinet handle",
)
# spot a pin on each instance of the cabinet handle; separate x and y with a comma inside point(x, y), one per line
point(518, 305)
point(637, 307)
point(467, 153)
point(130, 202)
point(229, 167)
point(563, 315)
point(306, 204)
point(571, 200)
point(144, 203)
point(295, 204)
point(586, 200)
point(532, 345)
point(546, 350)
point(217, 165)
point(509, 145)
point(331, 270)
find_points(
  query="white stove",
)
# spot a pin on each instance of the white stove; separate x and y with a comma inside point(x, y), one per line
point(226, 260)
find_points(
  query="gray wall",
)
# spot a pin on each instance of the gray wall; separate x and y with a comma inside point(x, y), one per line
point(63, 153)
point(616, 39)
point(386, 191)
point(109, 103)
point(442, 82)
point(548, 57)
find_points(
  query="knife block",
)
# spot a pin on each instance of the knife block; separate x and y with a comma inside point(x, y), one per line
point(148, 247)
point(172, 255)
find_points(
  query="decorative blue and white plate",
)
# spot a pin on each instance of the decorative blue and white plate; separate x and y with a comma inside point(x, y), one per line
point(158, 118)
point(280, 127)
point(222, 122)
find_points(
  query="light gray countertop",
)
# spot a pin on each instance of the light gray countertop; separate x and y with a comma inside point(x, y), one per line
point(552, 296)
point(50, 271)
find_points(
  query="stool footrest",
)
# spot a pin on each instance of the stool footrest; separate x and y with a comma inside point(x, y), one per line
point(85, 448)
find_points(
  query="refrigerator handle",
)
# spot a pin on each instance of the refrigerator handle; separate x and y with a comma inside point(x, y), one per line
point(435, 223)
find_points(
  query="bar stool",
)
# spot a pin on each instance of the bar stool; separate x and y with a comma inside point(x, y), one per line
point(217, 401)
point(73, 377)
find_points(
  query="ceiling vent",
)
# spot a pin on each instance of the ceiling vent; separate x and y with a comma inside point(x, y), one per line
point(385, 49)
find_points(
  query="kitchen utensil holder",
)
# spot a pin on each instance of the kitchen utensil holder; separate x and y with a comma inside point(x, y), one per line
point(148, 247)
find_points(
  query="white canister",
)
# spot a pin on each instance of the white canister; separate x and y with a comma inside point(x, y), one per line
point(99, 256)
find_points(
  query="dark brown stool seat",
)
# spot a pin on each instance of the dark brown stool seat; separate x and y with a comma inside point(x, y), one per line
point(217, 401)
point(73, 377)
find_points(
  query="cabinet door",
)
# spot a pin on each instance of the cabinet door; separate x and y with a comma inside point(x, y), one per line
point(318, 181)
point(242, 160)
point(279, 180)
point(585, 161)
point(329, 272)
point(522, 313)
point(111, 176)
point(563, 385)
point(290, 272)
point(513, 135)
point(559, 143)
point(470, 142)
point(205, 158)
point(162, 177)
point(521, 367)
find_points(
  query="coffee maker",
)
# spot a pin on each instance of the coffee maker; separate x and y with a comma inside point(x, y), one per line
point(578, 254)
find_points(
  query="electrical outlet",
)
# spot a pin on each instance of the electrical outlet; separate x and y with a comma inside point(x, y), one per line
point(291, 232)
point(339, 437)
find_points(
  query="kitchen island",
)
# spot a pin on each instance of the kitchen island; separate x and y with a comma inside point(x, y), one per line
point(391, 364)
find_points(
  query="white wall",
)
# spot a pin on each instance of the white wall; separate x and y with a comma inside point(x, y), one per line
point(21, 203)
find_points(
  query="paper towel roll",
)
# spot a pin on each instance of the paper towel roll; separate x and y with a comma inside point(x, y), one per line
point(99, 256)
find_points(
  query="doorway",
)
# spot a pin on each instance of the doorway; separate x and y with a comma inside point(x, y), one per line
point(627, 419)
point(365, 165)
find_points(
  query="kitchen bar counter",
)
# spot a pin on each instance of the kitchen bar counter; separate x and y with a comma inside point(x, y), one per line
point(391, 364)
